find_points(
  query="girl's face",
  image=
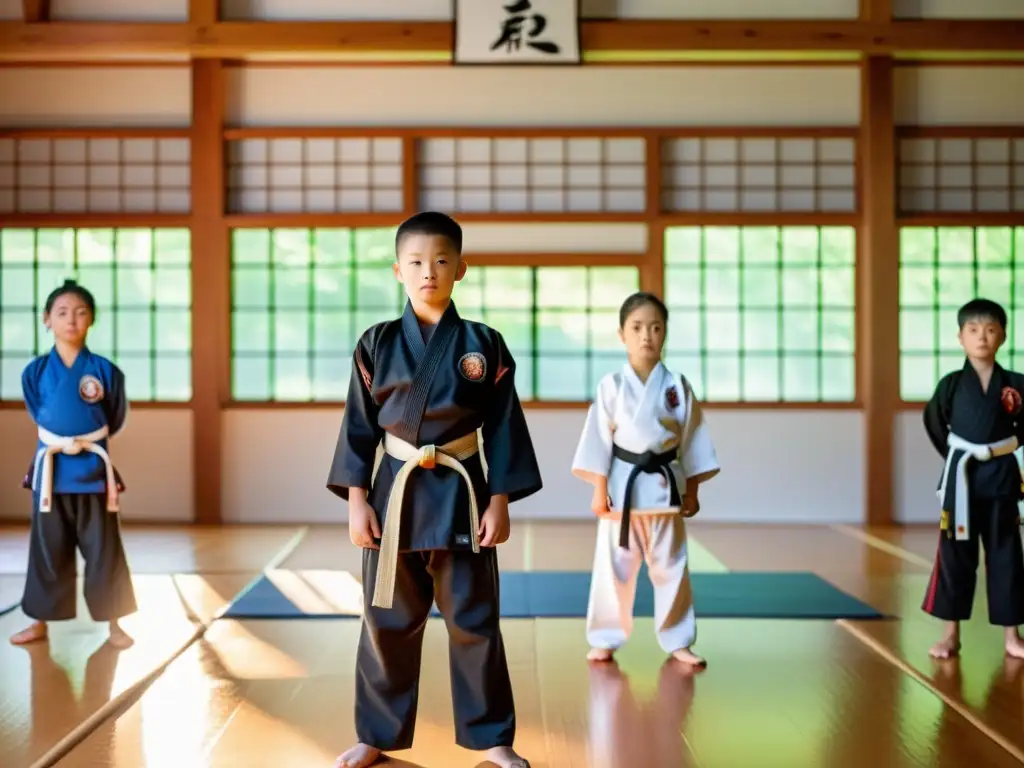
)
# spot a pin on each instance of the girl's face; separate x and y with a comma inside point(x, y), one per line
point(69, 319)
point(644, 334)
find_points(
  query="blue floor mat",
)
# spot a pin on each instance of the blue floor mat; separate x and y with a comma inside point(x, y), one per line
point(564, 594)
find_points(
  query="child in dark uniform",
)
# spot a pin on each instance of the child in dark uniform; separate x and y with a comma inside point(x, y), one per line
point(429, 521)
point(974, 420)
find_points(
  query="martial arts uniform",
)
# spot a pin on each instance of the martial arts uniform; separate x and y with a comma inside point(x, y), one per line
point(977, 432)
point(75, 488)
point(647, 439)
point(425, 398)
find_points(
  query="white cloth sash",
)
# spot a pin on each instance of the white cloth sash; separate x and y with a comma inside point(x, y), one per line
point(428, 457)
point(71, 446)
point(977, 452)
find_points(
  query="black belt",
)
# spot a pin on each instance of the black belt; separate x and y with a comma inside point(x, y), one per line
point(650, 463)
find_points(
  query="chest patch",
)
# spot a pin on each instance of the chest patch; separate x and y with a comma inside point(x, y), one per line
point(1011, 400)
point(672, 398)
point(90, 389)
point(473, 366)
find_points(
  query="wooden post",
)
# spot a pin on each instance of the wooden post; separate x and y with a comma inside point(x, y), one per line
point(878, 288)
point(35, 11)
point(211, 288)
point(652, 273)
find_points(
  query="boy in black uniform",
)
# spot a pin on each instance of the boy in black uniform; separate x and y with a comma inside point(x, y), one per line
point(430, 519)
point(974, 420)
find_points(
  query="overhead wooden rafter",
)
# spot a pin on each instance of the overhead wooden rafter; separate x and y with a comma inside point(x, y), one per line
point(667, 40)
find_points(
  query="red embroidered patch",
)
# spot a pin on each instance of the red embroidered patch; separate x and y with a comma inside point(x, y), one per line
point(365, 374)
point(672, 397)
point(90, 389)
point(1011, 400)
point(473, 366)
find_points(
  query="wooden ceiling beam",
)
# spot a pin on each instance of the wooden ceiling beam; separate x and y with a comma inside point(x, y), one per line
point(91, 41)
point(82, 41)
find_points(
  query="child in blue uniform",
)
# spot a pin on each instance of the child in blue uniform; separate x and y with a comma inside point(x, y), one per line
point(78, 402)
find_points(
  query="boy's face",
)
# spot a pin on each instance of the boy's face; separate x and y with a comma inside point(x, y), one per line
point(69, 319)
point(643, 334)
point(428, 266)
point(981, 338)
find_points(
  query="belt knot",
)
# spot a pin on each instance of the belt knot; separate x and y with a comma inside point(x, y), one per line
point(428, 457)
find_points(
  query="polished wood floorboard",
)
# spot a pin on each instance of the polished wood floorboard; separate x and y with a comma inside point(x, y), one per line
point(534, 546)
point(173, 549)
point(50, 687)
point(777, 693)
point(11, 588)
point(266, 694)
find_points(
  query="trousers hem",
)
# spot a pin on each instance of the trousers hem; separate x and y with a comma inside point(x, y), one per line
point(478, 747)
point(47, 616)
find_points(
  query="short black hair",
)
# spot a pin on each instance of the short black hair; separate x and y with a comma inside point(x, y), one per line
point(639, 299)
point(981, 309)
point(430, 223)
point(72, 287)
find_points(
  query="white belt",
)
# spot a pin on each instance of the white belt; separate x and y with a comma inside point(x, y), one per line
point(977, 452)
point(449, 455)
point(71, 446)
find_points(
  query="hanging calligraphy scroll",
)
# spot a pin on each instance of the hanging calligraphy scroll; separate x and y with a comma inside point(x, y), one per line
point(508, 32)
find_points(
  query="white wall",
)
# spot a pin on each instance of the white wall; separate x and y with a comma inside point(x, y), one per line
point(439, 10)
point(434, 10)
point(928, 96)
point(960, 95)
point(778, 465)
point(800, 466)
point(95, 96)
point(577, 96)
point(957, 9)
point(917, 470)
point(762, 480)
point(153, 455)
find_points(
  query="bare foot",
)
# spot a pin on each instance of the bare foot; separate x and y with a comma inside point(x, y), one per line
point(686, 656)
point(946, 648)
point(359, 756)
point(32, 633)
point(1014, 644)
point(600, 654)
point(118, 637)
point(506, 758)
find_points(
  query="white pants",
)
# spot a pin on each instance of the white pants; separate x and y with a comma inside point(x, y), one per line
point(661, 541)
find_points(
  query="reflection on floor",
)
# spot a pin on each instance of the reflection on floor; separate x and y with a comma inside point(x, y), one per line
point(279, 693)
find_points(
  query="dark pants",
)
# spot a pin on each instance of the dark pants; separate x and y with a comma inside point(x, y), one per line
point(465, 586)
point(82, 521)
point(950, 594)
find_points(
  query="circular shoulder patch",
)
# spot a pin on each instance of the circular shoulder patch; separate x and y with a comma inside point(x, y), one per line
point(90, 389)
point(672, 398)
point(1011, 400)
point(473, 366)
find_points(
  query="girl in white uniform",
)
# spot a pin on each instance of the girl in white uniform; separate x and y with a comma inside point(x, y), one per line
point(645, 448)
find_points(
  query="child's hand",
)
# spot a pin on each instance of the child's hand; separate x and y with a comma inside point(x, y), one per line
point(691, 505)
point(494, 525)
point(599, 502)
point(362, 523)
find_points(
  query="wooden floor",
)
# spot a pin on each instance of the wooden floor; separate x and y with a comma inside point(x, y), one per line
point(196, 692)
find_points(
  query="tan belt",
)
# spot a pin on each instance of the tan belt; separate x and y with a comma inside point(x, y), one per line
point(72, 446)
point(449, 455)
